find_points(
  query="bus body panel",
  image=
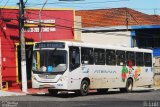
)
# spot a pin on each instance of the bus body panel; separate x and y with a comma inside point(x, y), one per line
point(144, 76)
point(74, 80)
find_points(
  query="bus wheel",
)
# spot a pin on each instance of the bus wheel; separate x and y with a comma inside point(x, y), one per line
point(102, 91)
point(84, 88)
point(52, 92)
point(129, 86)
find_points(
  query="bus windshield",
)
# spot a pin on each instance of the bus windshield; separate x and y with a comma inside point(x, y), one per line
point(49, 61)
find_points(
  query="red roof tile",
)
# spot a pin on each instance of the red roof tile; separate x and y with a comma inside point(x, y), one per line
point(116, 17)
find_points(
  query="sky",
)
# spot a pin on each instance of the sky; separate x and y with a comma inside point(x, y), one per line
point(145, 6)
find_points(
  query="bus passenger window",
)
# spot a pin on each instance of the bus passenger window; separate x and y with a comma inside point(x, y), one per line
point(121, 60)
point(74, 58)
point(139, 59)
point(148, 59)
point(130, 58)
point(87, 55)
point(99, 56)
point(110, 57)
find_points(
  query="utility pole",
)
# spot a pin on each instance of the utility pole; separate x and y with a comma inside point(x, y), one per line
point(22, 41)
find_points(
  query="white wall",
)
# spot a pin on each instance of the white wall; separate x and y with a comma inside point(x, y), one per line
point(78, 26)
point(111, 38)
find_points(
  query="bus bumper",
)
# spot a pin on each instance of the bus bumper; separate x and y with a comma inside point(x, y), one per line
point(58, 85)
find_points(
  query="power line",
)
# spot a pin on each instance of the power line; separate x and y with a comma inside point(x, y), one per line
point(5, 4)
point(57, 4)
point(88, 3)
point(115, 13)
point(65, 5)
point(82, 22)
point(91, 7)
point(25, 2)
point(87, 23)
point(83, 2)
point(68, 28)
point(97, 15)
point(67, 19)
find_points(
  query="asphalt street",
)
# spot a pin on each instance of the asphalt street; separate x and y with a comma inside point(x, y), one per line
point(114, 98)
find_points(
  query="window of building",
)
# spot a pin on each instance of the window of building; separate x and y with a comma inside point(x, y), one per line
point(130, 56)
point(110, 57)
point(87, 55)
point(121, 58)
point(139, 59)
point(99, 56)
point(148, 59)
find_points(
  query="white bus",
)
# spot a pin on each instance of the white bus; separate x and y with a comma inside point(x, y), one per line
point(79, 67)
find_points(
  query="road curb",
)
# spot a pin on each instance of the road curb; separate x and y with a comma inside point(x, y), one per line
point(157, 88)
point(6, 93)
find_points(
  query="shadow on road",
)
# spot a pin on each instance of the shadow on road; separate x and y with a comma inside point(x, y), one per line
point(142, 91)
point(72, 95)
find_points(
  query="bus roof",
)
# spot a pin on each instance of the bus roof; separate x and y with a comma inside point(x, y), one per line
point(107, 46)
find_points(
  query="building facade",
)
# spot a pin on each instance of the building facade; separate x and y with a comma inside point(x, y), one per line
point(121, 26)
point(108, 38)
point(49, 24)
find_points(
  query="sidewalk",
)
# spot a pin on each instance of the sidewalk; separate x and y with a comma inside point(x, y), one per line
point(7, 93)
point(18, 92)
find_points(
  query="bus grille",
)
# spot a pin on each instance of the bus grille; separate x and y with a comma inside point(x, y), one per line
point(45, 76)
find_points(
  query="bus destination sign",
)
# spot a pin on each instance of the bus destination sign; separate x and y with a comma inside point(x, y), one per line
point(50, 45)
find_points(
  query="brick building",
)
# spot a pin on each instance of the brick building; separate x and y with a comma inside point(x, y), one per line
point(121, 26)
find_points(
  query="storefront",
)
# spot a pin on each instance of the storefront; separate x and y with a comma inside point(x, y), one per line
point(49, 24)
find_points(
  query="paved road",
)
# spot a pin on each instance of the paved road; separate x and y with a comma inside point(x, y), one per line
point(114, 98)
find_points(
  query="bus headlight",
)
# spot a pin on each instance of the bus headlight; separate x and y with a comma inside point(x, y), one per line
point(62, 78)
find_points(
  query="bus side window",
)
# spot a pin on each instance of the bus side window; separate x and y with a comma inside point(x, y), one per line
point(74, 58)
point(121, 60)
point(139, 59)
point(99, 56)
point(87, 55)
point(130, 56)
point(110, 57)
point(148, 59)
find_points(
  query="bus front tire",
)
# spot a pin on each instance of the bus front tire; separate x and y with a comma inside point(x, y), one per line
point(129, 86)
point(84, 88)
point(52, 92)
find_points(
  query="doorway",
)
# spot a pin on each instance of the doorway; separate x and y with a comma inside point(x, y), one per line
point(29, 51)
